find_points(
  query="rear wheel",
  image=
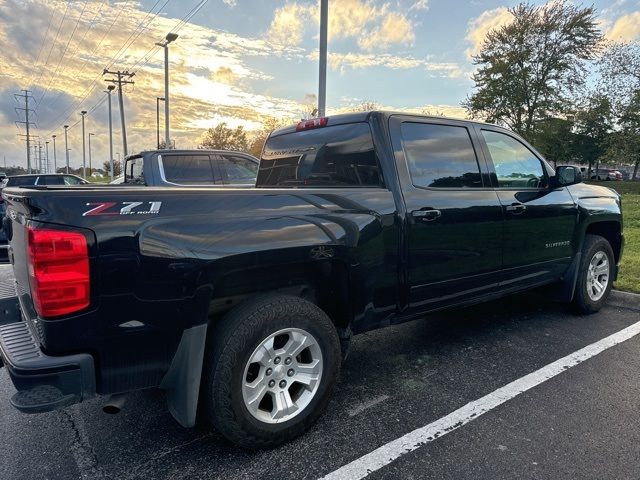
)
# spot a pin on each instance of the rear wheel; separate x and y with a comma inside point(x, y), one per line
point(595, 276)
point(270, 367)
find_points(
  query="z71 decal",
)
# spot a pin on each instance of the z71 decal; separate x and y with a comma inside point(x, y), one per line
point(122, 208)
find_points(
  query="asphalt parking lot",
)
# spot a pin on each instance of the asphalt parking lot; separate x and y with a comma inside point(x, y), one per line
point(582, 423)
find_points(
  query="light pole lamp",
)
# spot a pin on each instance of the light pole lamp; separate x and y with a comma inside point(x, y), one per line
point(90, 135)
point(84, 158)
point(171, 37)
point(110, 89)
point(158, 100)
point(55, 163)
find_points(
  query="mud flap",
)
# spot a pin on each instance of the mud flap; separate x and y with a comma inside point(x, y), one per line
point(182, 380)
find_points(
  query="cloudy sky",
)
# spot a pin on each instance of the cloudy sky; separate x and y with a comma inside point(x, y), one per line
point(237, 61)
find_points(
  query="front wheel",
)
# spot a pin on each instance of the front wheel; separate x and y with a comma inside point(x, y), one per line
point(269, 371)
point(595, 276)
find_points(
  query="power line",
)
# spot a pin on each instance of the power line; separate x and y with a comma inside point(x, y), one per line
point(91, 24)
point(63, 53)
point(44, 39)
point(64, 17)
point(144, 59)
point(69, 111)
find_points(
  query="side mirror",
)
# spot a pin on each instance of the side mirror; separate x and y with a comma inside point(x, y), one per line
point(566, 175)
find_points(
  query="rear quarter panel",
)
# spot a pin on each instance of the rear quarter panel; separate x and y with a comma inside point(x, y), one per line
point(156, 272)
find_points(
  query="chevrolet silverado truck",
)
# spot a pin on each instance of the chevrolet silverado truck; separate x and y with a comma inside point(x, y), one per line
point(242, 302)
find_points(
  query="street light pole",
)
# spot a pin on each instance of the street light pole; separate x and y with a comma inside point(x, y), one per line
point(66, 146)
point(84, 153)
point(322, 70)
point(108, 92)
point(46, 156)
point(168, 39)
point(55, 163)
point(158, 99)
point(90, 169)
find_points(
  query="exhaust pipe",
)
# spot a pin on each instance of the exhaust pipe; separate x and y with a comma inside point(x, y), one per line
point(114, 404)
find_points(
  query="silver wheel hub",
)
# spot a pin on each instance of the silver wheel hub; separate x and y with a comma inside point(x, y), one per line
point(282, 375)
point(597, 275)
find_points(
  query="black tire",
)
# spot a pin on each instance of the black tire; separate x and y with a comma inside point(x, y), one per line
point(230, 345)
point(582, 302)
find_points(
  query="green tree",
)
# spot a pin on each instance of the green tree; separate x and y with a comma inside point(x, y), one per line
point(554, 138)
point(221, 137)
point(530, 68)
point(117, 168)
point(593, 124)
point(269, 125)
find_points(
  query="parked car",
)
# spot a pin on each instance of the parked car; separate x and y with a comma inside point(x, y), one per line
point(191, 168)
point(44, 179)
point(606, 174)
point(243, 302)
point(26, 180)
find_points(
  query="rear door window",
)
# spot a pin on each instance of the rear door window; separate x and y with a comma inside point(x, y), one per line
point(237, 169)
point(191, 170)
point(332, 156)
point(440, 156)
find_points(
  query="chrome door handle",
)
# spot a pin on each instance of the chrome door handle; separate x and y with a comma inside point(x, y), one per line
point(426, 215)
point(516, 208)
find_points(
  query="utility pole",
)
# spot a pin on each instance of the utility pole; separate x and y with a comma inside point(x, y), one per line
point(322, 77)
point(119, 81)
point(90, 169)
point(26, 95)
point(66, 146)
point(158, 99)
point(39, 157)
point(84, 152)
point(108, 92)
point(46, 156)
point(55, 163)
point(171, 37)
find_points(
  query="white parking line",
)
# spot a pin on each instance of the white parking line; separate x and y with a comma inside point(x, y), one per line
point(391, 451)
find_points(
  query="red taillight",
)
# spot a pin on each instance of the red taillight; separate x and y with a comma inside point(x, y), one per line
point(58, 271)
point(313, 123)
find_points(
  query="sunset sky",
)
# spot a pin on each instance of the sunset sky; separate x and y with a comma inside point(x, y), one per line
point(238, 61)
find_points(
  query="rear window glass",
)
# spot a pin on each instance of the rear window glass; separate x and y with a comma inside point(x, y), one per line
point(191, 170)
point(19, 181)
point(133, 170)
point(333, 156)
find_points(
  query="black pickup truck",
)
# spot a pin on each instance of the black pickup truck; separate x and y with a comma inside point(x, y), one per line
point(243, 302)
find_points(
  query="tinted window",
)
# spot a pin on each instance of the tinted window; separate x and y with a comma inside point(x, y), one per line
point(133, 170)
point(342, 155)
point(71, 180)
point(440, 156)
point(515, 165)
point(191, 170)
point(238, 169)
point(51, 180)
point(18, 181)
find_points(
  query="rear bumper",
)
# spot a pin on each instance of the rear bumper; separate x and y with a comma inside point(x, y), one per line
point(44, 382)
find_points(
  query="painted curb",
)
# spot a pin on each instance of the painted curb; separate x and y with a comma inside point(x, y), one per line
point(624, 299)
